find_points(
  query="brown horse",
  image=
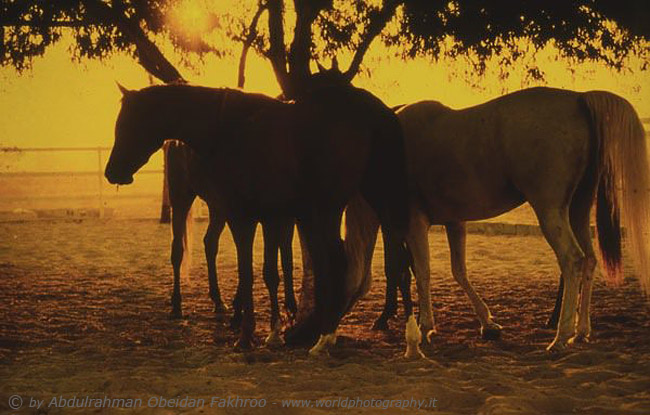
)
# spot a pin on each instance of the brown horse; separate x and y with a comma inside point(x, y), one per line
point(559, 150)
point(188, 178)
point(271, 162)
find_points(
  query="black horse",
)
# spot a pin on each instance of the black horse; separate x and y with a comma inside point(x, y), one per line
point(272, 161)
point(188, 177)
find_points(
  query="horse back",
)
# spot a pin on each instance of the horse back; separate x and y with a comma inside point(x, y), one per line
point(481, 161)
point(353, 141)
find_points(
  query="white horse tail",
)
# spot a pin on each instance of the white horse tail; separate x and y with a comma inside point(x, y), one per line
point(361, 228)
point(186, 263)
point(625, 177)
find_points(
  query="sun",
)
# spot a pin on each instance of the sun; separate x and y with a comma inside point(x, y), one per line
point(191, 18)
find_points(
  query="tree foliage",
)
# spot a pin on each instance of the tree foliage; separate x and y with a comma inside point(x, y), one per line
point(607, 31)
point(604, 31)
point(99, 29)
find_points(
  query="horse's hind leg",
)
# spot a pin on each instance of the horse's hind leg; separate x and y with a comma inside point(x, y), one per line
point(211, 244)
point(286, 257)
point(243, 232)
point(397, 276)
point(180, 210)
point(418, 242)
point(456, 236)
point(390, 304)
point(272, 235)
point(559, 234)
point(580, 214)
point(555, 315)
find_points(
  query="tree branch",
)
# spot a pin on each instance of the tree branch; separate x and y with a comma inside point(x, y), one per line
point(149, 56)
point(248, 41)
point(377, 23)
point(277, 53)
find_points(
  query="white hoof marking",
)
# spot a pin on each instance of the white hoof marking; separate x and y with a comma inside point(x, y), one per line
point(413, 339)
point(323, 345)
point(274, 339)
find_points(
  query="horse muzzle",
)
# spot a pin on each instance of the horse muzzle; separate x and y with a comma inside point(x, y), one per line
point(114, 178)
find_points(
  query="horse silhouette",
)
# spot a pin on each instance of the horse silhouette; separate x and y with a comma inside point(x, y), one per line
point(558, 150)
point(271, 162)
point(188, 177)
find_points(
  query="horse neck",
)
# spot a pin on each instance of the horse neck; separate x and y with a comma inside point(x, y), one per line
point(201, 117)
point(193, 118)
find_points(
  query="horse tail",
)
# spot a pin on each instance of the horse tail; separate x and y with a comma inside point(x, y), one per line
point(625, 178)
point(361, 228)
point(186, 262)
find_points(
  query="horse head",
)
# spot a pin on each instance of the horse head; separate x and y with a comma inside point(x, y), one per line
point(136, 137)
point(327, 78)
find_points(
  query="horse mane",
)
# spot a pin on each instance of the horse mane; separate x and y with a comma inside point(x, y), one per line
point(435, 108)
point(177, 88)
point(235, 101)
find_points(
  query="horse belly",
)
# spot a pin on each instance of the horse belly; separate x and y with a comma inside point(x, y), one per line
point(456, 172)
point(453, 201)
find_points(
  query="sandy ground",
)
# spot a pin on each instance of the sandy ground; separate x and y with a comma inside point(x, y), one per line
point(84, 311)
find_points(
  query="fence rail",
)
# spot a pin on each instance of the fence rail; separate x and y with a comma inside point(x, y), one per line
point(99, 150)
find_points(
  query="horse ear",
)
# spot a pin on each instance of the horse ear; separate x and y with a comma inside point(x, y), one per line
point(335, 64)
point(122, 89)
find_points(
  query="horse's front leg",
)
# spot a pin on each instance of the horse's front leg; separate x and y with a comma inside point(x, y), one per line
point(330, 267)
point(272, 235)
point(286, 257)
point(243, 232)
point(307, 327)
point(211, 245)
point(456, 235)
point(180, 210)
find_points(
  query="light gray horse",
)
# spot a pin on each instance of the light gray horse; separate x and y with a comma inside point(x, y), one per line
point(556, 149)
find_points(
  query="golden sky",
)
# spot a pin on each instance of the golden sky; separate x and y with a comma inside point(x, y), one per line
point(64, 103)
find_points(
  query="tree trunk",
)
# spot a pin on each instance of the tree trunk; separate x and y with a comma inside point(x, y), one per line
point(248, 41)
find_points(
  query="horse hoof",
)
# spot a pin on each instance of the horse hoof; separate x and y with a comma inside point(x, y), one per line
point(291, 308)
point(321, 348)
point(274, 340)
point(428, 334)
point(491, 332)
point(413, 353)
point(380, 324)
point(557, 346)
point(580, 339)
point(303, 333)
point(413, 337)
point(243, 345)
